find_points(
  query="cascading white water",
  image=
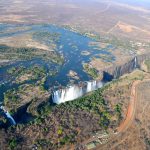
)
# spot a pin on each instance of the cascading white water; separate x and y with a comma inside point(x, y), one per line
point(135, 62)
point(75, 91)
point(100, 84)
point(8, 116)
point(67, 94)
point(91, 86)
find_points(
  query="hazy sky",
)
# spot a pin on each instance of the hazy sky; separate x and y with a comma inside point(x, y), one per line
point(140, 3)
point(136, 2)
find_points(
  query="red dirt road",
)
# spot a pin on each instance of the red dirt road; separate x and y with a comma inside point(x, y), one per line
point(131, 109)
point(129, 116)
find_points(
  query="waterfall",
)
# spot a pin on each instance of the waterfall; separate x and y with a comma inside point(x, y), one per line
point(135, 62)
point(91, 86)
point(73, 92)
point(100, 84)
point(67, 94)
point(8, 116)
point(11, 119)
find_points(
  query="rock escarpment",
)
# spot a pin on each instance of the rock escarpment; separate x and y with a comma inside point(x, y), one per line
point(115, 71)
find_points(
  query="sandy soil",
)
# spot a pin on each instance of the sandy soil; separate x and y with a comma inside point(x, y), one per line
point(99, 64)
point(24, 77)
point(98, 16)
point(125, 28)
point(24, 41)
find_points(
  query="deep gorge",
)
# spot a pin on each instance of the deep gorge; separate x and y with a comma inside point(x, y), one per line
point(114, 72)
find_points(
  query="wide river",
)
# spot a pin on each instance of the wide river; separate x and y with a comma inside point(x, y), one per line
point(70, 44)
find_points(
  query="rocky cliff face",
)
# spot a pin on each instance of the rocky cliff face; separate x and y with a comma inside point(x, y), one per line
point(117, 71)
point(75, 91)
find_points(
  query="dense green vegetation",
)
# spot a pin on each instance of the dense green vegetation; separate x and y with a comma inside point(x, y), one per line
point(47, 37)
point(118, 110)
point(91, 71)
point(29, 80)
point(16, 70)
point(11, 95)
point(94, 103)
point(32, 73)
point(14, 98)
point(12, 143)
point(13, 53)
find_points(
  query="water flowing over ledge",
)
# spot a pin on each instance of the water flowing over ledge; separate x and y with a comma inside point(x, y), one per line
point(73, 92)
point(8, 116)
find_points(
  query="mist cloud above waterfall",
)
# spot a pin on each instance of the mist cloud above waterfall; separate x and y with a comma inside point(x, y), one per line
point(75, 91)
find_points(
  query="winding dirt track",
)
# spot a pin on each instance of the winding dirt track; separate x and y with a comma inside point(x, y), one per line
point(129, 116)
point(128, 119)
point(131, 109)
